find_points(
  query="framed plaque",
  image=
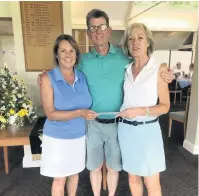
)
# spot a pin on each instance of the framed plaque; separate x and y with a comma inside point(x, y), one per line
point(42, 22)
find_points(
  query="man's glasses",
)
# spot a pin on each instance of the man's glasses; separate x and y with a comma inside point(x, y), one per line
point(102, 27)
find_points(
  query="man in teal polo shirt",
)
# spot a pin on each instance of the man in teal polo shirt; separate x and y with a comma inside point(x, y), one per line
point(104, 68)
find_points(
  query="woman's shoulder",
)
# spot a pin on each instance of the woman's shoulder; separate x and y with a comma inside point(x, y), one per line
point(128, 66)
point(79, 74)
point(46, 76)
point(52, 71)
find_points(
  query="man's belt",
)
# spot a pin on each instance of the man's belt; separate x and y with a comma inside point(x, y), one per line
point(107, 121)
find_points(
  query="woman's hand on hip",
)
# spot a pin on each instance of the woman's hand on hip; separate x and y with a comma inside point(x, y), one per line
point(88, 114)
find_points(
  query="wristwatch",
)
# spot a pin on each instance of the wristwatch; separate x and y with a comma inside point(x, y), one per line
point(147, 111)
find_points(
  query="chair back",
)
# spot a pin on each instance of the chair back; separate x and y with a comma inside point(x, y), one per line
point(186, 112)
point(173, 85)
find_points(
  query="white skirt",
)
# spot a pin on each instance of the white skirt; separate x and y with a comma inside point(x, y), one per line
point(62, 157)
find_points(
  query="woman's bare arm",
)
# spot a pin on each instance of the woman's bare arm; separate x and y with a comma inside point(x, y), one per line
point(157, 110)
point(163, 94)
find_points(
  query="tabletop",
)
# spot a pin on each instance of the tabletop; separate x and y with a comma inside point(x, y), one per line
point(15, 135)
point(184, 82)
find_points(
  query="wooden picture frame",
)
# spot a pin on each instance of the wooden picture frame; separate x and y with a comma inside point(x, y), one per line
point(42, 22)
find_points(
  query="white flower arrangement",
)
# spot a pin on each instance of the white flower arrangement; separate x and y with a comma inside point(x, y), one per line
point(13, 99)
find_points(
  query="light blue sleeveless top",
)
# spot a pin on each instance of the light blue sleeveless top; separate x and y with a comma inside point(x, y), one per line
point(67, 98)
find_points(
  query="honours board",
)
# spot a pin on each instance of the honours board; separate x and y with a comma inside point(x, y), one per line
point(42, 22)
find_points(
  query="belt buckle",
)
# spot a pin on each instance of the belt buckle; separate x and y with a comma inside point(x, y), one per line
point(106, 121)
point(135, 123)
point(120, 119)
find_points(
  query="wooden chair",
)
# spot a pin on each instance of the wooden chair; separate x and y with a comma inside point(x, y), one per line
point(188, 92)
point(174, 88)
point(104, 176)
point(181, 116)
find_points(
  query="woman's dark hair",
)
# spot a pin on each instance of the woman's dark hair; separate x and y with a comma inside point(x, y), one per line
point(96, 13)
point(72, 42)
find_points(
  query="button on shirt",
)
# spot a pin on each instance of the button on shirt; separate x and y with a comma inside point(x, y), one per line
point(67, 98)
point(105, 76)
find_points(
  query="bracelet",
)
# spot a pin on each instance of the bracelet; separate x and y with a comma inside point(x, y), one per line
point(147, 111)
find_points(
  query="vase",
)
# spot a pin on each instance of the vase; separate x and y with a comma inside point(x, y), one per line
point(21, 121)
point(16, 120)
point(12, 119)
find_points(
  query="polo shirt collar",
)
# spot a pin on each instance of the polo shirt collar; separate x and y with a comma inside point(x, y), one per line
point(111, 50)
point(150, 63)
point(59, 75)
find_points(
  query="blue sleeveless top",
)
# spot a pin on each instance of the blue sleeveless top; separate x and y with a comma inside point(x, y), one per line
point(67, 98)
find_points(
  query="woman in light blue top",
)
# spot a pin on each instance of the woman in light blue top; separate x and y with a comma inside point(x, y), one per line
point(139, 132)
point(66, 101)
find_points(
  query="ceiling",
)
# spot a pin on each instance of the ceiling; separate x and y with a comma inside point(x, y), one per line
point(159, 16)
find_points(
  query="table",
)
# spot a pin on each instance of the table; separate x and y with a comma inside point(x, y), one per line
point(14, 136)
point(184, 82)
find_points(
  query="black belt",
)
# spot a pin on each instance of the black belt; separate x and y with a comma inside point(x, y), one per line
point(119, 119)
point(107, 121)
point(135, 123)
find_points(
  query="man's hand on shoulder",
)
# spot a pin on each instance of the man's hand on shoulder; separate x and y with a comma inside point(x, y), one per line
point(166, 73)
point(39, 78)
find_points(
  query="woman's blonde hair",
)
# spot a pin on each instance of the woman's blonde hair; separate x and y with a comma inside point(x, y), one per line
point(148, 34)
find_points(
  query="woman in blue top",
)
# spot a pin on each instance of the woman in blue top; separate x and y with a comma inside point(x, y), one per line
point(65, 99)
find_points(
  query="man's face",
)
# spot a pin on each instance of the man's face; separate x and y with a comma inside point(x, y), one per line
point(178, 65)
point(101, 36)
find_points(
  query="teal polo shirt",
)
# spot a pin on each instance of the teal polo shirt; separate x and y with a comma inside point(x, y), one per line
point(105, 77)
